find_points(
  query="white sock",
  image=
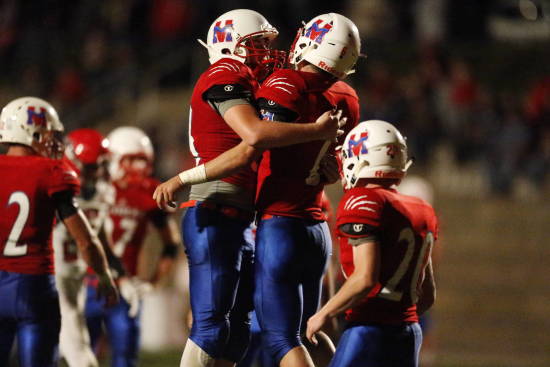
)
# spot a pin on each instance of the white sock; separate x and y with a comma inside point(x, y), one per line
point(194, 356)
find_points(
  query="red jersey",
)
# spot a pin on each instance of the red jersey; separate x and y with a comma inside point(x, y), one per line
point(26, 194)
point(209, 134)
point(129, 218)
point(405, 228)
point(282, 188)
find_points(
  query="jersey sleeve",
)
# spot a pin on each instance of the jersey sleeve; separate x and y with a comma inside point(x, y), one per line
point(359, 214)
point(62, 178)
point(228, 79)
point(283, 88)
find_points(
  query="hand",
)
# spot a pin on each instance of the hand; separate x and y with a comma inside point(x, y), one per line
point(107, 290)
point(329, 168)
point(330, 122)
point(164, 193)
point(133, 290)
point(314, 324)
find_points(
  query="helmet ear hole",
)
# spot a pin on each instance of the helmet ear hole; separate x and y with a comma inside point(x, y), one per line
point(36, 136)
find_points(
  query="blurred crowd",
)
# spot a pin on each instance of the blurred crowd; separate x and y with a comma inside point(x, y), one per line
point(91, 57)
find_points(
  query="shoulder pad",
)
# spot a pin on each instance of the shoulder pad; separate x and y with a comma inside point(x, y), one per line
point(285, 87)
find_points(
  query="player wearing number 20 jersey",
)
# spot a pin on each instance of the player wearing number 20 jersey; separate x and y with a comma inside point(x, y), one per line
point(405, 228)
point(386, 240)
point(293, 238)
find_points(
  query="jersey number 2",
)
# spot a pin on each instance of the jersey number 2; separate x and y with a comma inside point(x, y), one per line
point(11, 248)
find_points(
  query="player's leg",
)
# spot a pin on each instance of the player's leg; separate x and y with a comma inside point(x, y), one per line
point(214, 248)
point(123, 333)
point(94, 312)
point(8, 324)
point(39, 321)
point(278, 293)
point(403, 345)
point(239, 317)
point(74, 339)
point(359, 346)
point(316, 254)
point(255, 345)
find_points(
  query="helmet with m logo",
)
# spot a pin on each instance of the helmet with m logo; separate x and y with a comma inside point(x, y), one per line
point(330, 42)
point(33, 122)
point(242, 35)
point(374, 149)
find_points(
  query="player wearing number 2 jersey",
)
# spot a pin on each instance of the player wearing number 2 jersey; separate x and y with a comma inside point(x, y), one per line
point(386, 240)
point(34, 188)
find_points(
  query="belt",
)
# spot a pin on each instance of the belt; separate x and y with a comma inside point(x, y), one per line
point(227, 210)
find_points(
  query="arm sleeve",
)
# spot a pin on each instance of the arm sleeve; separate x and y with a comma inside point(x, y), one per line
point(358, 233)
point(65, 203)
point(222, 97)
point(272, 111)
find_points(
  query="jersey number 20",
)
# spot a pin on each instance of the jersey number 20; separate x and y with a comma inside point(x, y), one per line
point(390, 289)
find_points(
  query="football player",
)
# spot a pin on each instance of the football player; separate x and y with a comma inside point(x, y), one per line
point(293, 238)
point(34, 188)
point(130, 168)
point(386, 239)
point(223, 115)
point(86, 153)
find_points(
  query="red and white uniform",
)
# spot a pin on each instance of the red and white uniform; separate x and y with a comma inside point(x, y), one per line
point(68, 261)
point(26, 189)
point(209, 134)
point(129, 218)
point(70, 269)
point(282, 188)
point(405, 228)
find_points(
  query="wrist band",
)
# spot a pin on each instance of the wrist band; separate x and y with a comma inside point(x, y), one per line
point(193, 176)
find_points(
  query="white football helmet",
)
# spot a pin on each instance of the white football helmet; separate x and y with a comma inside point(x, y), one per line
point(329, 41)
point(228, 36)
point(33, 122)
point(374, 149)
point(129, 141)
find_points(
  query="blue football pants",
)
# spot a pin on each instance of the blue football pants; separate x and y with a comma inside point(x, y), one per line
point(220, 258)
point(29, 310)
point(379, 346)
point(291, 258)
point(122, 330)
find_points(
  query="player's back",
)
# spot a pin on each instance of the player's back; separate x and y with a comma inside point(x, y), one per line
point(209, 134)
point(26, 192)
point(405, 228)
point(282, 186)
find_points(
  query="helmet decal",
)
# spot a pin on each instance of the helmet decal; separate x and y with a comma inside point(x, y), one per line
point(317, 34)
point(356, 147)
point(35, 118)
point(223, 34)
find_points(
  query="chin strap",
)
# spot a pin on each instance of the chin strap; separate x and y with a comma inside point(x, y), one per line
point(203, 43)
point(409, 163)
